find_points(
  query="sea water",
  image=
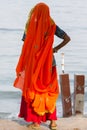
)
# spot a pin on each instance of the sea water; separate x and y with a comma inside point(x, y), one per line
point(70, 15)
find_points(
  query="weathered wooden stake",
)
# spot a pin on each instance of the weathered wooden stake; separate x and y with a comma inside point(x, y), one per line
point(65, 94)
point(79, 82)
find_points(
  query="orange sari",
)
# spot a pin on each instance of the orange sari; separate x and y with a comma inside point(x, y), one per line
point(40, 86)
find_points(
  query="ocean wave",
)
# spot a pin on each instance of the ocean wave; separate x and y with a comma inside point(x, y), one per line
point(8, 56)
point(4, 115)
point(10, 94)
point(11, 29)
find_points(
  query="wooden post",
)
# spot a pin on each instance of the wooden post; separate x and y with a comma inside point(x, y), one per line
point(79, 82)
point(65, 94)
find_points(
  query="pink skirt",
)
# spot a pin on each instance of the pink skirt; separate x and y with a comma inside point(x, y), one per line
point(29, 115)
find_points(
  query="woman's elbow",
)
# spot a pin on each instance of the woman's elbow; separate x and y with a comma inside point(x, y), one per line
point(67, 38)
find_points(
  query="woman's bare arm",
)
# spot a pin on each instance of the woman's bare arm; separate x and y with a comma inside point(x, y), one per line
point(66, 39)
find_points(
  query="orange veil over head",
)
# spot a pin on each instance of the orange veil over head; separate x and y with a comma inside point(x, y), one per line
point(40, 87)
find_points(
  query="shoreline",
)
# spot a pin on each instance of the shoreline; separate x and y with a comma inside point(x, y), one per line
point(78, 122)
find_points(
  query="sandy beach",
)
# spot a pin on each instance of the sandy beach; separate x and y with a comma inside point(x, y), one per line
point(78, 122)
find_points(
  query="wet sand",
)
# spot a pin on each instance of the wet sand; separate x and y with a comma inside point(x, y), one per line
point(70, 123)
